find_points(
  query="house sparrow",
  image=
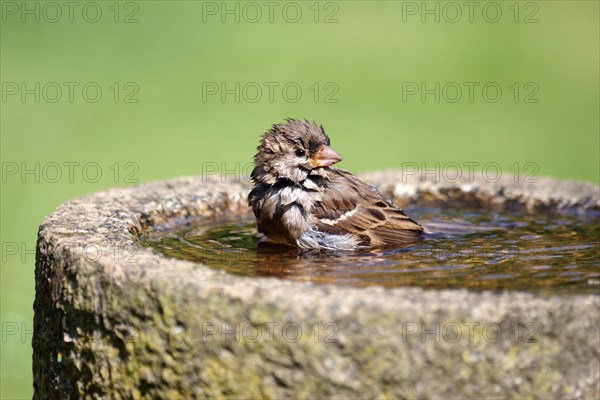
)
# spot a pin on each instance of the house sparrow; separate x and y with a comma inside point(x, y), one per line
point(299, 199)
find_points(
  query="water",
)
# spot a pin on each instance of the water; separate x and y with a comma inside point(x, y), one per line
point(473, 249)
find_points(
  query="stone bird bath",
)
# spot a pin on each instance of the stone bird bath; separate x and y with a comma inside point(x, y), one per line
point(114, 319)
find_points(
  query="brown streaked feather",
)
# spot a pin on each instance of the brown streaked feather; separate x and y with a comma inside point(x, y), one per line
point(351, 206)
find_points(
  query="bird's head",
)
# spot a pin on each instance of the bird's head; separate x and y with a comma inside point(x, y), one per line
point(293, 150)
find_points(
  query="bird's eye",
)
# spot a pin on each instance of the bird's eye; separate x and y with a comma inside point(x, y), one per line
point(300, 153)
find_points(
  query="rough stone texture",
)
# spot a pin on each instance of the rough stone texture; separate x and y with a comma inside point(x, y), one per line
point(127, 322)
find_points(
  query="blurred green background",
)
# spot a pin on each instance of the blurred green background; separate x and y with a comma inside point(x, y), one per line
point(354, 62)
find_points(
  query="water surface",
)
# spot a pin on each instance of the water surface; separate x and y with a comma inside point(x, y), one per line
point(474, 249)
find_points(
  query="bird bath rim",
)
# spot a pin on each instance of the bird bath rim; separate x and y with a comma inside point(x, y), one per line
point(104, 227)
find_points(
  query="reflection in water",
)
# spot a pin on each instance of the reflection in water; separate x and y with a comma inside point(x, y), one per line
point(474, 249)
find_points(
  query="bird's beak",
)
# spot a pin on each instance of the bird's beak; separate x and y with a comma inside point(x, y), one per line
point(325, 157)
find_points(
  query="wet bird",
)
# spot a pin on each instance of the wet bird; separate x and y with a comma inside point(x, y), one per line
point(300, 199)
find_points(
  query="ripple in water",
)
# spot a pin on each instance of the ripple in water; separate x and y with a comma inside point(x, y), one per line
point(473, 249)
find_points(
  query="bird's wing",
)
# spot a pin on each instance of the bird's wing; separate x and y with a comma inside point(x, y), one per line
point(351, 206)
